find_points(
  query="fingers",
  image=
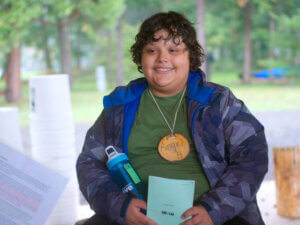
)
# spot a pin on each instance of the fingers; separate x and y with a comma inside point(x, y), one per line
point(199, 216)
point(193, 221)
point(141, 219)
point(135, 217)
point(148, 221)
point(139, 203)
point(190, 212)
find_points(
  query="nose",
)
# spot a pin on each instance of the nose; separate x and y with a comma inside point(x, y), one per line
point(162, 56)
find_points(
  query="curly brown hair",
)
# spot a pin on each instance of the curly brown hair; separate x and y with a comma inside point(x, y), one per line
point(178, 26)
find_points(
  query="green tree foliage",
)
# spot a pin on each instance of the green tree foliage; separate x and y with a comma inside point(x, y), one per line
point(15, 20)
point(92, 30)
point(18, 23)
point(102, 13)
point(92, 26)
point(137, 11)
point(287, 37)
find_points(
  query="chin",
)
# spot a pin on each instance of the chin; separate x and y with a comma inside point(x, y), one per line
point(162, 81)
point(162, 85)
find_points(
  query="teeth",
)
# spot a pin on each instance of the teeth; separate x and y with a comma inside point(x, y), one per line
point(162, 69)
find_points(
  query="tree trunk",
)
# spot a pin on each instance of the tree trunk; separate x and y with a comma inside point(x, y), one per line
point(13, 91)
point(4, 73)
point(79, 51)
point(247, 51)
point(65, 49)
point(271, 53)
point(120, 69)
point(110, 58)
point(78, 55)
point(47, 50)
point(201, 32)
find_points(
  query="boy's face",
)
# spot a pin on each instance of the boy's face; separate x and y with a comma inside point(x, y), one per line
point(165, 65)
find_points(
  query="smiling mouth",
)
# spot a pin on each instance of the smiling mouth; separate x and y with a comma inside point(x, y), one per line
point(163, 70)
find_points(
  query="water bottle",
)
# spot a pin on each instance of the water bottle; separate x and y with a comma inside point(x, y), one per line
point(123, 173)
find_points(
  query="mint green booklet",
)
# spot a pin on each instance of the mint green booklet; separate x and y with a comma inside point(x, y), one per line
point(168, 199)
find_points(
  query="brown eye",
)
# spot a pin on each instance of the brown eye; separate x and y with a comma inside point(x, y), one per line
point(173, 50)
point(150, 51)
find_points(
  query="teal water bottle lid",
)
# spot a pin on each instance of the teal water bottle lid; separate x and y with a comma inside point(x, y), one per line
point(114, 157)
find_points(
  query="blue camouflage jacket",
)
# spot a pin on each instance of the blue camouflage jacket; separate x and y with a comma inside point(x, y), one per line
point(229, 140)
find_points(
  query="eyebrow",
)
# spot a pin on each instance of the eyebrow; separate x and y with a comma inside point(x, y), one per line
point(165, 41)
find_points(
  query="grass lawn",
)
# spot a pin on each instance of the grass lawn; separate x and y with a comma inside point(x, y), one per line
point(263, 96)
point(87, 101)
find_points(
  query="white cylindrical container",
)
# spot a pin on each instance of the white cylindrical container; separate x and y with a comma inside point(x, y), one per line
point(64, 212)
point(10, 130)
point(100, 78)
point(50, 97)
point(53, 138)
point(60, 164)
point(47, 153)
point(54, 124)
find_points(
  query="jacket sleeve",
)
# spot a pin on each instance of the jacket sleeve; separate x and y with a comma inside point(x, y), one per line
point(247, 162)
point(95, 182)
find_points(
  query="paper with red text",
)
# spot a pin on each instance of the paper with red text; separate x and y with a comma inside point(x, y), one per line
point(28, 190)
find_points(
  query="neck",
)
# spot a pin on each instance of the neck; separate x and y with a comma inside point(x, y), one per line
point(166, 93)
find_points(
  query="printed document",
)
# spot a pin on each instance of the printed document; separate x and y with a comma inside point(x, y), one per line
point(28, 190)
point(168, 199)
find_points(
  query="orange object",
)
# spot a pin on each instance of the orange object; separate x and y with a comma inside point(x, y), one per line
point(287, 179)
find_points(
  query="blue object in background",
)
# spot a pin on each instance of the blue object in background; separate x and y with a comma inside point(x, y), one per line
point(276, 73)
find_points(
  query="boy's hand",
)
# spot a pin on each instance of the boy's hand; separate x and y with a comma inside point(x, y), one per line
point(135, 217)
point(199, 216)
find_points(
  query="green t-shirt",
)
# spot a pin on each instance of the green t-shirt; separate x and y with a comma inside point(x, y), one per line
point(148, 128)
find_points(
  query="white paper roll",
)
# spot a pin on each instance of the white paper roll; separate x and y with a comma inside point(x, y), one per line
point(52, 139)
point(53, 152)
point(66, 210)
point(57, 124)
point(50, 96)
point(62, 165)
point(10, 130)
